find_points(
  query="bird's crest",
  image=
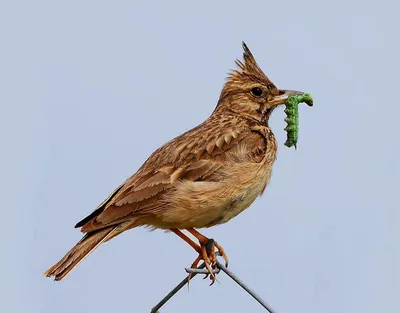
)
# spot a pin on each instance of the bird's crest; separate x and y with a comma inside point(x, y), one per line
point(248, 67)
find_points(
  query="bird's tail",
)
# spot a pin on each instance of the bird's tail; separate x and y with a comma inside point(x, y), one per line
point(80, 251)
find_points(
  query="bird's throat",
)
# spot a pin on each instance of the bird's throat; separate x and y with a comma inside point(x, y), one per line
point(266, 115)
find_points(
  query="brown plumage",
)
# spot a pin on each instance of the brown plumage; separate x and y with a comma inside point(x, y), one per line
point(202, 178)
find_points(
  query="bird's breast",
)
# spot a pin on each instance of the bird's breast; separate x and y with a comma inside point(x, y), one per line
point(247, 190)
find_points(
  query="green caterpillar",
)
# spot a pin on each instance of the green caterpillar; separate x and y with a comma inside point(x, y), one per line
point(292, 119)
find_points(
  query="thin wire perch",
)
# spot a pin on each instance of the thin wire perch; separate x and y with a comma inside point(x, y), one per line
point(201, 270)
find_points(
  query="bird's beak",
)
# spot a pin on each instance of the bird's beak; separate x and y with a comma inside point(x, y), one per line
point(283, 95)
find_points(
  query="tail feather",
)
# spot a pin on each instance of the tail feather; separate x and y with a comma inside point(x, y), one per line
point(80, 251)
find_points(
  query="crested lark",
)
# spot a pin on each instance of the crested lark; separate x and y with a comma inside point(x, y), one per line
point(202, 178)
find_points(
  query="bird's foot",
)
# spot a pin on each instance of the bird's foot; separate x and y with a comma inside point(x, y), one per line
point(208, 255)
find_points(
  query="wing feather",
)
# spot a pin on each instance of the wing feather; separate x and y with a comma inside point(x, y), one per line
point(183, 158)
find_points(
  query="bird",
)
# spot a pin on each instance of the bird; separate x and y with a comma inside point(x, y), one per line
point(202, 178)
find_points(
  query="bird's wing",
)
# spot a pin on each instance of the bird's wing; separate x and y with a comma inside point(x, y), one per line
point(194, 156)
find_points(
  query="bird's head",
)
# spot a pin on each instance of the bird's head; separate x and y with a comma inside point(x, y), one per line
point(249, 92)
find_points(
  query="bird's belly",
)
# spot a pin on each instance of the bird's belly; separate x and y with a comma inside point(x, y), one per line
point(205, 204)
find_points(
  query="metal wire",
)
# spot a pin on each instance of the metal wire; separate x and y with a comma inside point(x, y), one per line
point(174, 291)
point(200, 271)
point(245, 287)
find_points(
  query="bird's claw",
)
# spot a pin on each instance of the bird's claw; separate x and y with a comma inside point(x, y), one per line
point(208, 255)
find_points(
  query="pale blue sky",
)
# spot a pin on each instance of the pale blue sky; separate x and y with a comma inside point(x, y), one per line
point(90, 88)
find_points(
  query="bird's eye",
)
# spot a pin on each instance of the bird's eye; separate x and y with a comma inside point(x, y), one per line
point(256, 92)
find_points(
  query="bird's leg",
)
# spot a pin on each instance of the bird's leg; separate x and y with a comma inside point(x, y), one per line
point(201, 250)
point(187, 239)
